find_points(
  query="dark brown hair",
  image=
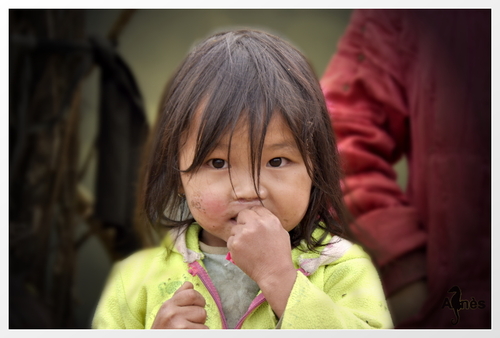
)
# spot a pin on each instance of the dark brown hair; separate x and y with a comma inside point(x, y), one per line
point(250, 74)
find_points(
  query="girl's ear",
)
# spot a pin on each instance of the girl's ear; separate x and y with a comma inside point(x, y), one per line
point(181, 191)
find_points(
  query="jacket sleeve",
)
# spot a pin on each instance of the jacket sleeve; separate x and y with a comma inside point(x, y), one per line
point(349, 296)
point(366, 99)
point(113, 310)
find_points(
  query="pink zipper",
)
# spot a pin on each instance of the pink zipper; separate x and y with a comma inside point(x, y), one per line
point(255, 303)
point(197, 270)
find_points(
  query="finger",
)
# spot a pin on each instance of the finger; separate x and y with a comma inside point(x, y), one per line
point(185, 286)
point(188, 297)
point(194, 314)
point(262, 211)
point(230, 241)
point(177, 322)
point(258, 210)
point(195, 326)
point(187, 325)
point(245, 215)
point(173, 316)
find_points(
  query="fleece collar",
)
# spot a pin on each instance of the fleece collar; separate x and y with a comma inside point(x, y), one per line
point(185, 242)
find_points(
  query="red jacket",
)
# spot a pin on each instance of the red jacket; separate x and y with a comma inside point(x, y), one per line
point(417, 83)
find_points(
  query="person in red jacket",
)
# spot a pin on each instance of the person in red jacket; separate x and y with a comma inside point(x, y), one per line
point(417, 83)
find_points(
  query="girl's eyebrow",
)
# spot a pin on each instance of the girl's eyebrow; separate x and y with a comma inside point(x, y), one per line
point(220, 145)
point(281, 145)
point(271, 146)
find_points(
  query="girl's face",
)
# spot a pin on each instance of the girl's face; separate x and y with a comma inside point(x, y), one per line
point(215, 199)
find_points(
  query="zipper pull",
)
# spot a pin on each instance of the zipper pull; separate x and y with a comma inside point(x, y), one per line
point(228, 257)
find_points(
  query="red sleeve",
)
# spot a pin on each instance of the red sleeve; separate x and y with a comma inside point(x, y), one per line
point(366, 100)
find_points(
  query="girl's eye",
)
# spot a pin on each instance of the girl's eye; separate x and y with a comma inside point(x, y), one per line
point(217, 163)
point(276, 162)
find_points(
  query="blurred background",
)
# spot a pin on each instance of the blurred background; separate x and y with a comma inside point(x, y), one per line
point(84, 90)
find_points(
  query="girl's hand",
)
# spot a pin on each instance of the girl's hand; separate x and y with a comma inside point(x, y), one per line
point(185, 310)
point(260, 246)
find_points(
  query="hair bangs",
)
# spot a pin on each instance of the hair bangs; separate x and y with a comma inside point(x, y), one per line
point(239, 90)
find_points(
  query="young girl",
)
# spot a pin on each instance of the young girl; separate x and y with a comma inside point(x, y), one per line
point(244, 173)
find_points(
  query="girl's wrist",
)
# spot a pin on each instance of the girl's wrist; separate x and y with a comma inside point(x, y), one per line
point(277, 279)
point(277, 287)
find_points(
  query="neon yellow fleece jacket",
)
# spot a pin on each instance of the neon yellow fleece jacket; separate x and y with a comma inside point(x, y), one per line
point(337, 289)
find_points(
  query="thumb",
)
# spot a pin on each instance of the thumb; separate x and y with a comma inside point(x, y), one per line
point(185, 286)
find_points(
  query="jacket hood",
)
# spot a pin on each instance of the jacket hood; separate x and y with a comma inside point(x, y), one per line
point(184, 241)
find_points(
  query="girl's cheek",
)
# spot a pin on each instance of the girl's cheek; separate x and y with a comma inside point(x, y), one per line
point(208, 204)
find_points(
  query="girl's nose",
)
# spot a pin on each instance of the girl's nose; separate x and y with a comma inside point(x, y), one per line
point(245, 188)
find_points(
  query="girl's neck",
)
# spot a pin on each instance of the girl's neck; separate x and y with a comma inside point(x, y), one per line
point(216, 250)
point(211, 240)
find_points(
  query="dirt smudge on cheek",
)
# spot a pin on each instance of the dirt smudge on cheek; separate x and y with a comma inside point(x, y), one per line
point(197, 203)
